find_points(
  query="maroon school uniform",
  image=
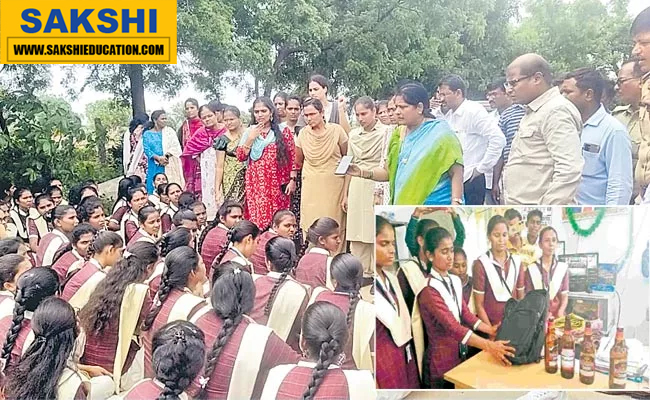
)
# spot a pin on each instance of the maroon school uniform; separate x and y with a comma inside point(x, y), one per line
point(161, 319)
point(444, 333)
point(119, 214)
point(333, 386)
point(33, 231)
point(130, 229)
point(213, 243)
point(342, 301)
point(25, 329)
point(166, 223)
point(231, 255)
point(263, 287)
point(63, 264)
point(467, 290)
point(276, 352)
point(259, 257)
point(147, 389)
point(396, 365)
point(90, 268)
point(525, 280)
point(100, 348)
point(49, 245)
point(482, 285)
point(312, 268)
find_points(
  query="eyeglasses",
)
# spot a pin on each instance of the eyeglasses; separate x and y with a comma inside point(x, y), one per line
point(621, 81)
point(512, 83)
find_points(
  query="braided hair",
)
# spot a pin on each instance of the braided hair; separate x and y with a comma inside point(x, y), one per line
point(237, 234)
point(174, 239)
point(32, 288)
point(432, 240)
point(347, 271)
point(324, 332)
point(78, 231)
point(185, 200)
point(103, 306)
point(37, 374)
point(320, 228)
point(281, 254)
point(233, 295)
point(177, 358)
point(223, 212)
point(103, 239)
point(58, 213)
point(421, 228)
point(178, 265)
point(9, 267)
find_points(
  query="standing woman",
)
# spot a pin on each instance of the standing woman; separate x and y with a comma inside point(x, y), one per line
point(294, 109)
point(319, 149)
point(283, 224)
point(231, 173)
point(63, 219)
point(240, 352)
point(280, 300)
point(73, 256)
point(397, 367)
point(23, 208)
point(334, 113)
point(324, 334)
point(494, 274)
point(192, 121)
point(133, 157)
point(115, 311)
point(178, 354)
point(280, 102)
point(38, 227)
point(426, 166)
point(199, 158)
point(365, 147)
point(45, 370)
point(32, 288)
point(179, 297)
point(347, 272)
point(149, 220)
point(270, 155)
point(382, 112)
point(152, 141)
point(449, 324)
point(548, 274)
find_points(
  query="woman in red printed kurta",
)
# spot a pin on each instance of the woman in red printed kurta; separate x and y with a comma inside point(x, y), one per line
point(283, 224)
point(548, 274)
point(240, 352)
point(318, 377)
point(448, 322)
point(270, 154)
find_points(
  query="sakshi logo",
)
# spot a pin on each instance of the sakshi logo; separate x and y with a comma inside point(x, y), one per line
point(63, 32)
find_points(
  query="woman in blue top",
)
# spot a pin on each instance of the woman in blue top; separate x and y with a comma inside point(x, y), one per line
point(153, 148)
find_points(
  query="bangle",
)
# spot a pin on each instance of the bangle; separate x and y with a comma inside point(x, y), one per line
point(372, 174)
point(458, 201)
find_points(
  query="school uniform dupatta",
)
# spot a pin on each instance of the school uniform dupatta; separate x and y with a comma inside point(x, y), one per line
point(417, 164)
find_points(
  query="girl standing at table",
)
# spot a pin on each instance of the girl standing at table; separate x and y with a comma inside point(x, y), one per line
point(448, 322)
point(395, 352)
point(548, 274)
point(494, 274)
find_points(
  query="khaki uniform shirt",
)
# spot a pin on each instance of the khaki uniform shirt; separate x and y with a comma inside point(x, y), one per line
point(642, 172)
point(630, 118)
point(545, 163)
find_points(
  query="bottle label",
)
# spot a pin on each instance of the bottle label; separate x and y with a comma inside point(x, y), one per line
point(620, 372)
point(568, 359)
point(552, 357)
point(587, 366)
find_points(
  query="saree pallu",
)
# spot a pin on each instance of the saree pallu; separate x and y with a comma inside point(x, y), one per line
point(418, 166)
point(202, 140)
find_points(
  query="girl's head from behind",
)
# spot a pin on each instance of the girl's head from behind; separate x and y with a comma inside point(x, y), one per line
point(347, 271)
point(178, 354)
point(233, 291)
point(325, 233)
point(174, 239)
point(439, 249)
point(280, 254)
point(12, 266)
point(185, 268)
point(109, 246)
point(384, 242)
point(284, 223)
point(421, 229)
point(35, 285)
point(245, 235)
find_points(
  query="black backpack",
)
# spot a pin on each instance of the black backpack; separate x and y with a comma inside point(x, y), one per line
point(523, 325)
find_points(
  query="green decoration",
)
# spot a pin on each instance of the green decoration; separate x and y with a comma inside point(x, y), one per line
point(590, 230)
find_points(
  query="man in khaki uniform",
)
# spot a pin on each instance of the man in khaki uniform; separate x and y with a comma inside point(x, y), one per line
point(628, 86)
point(640, 32)
point(545, 162)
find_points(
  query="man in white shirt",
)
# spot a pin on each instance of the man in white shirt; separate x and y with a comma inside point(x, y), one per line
point(479, 135)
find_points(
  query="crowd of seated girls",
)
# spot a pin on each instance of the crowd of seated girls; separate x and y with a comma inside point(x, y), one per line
point(154, 301)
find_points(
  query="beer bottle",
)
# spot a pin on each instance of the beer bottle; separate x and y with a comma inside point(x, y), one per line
point(567, 351)
point(618, 362)
point(550, 348)
point(588, 357)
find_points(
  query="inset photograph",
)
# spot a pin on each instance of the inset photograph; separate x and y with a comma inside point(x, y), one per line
point(512, 298)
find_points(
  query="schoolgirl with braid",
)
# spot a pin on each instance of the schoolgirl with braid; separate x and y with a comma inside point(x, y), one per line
point(73, 256)
point(178, 354)
point(178, 298)
point(149, 231)
point(347, 276)
point(241, 244)
point(63, 220)
point(45, 370)
point(314, 266)
point(12, 266)
point(33, 287)
point(239, 352)
point(317, 376)
point(283, 224)
point(171, 240)
point(114, 314)
point(105, 251)
point(214, 236)
point(280, 300)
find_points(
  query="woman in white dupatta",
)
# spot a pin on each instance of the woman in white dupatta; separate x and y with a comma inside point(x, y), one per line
point(133, 158)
